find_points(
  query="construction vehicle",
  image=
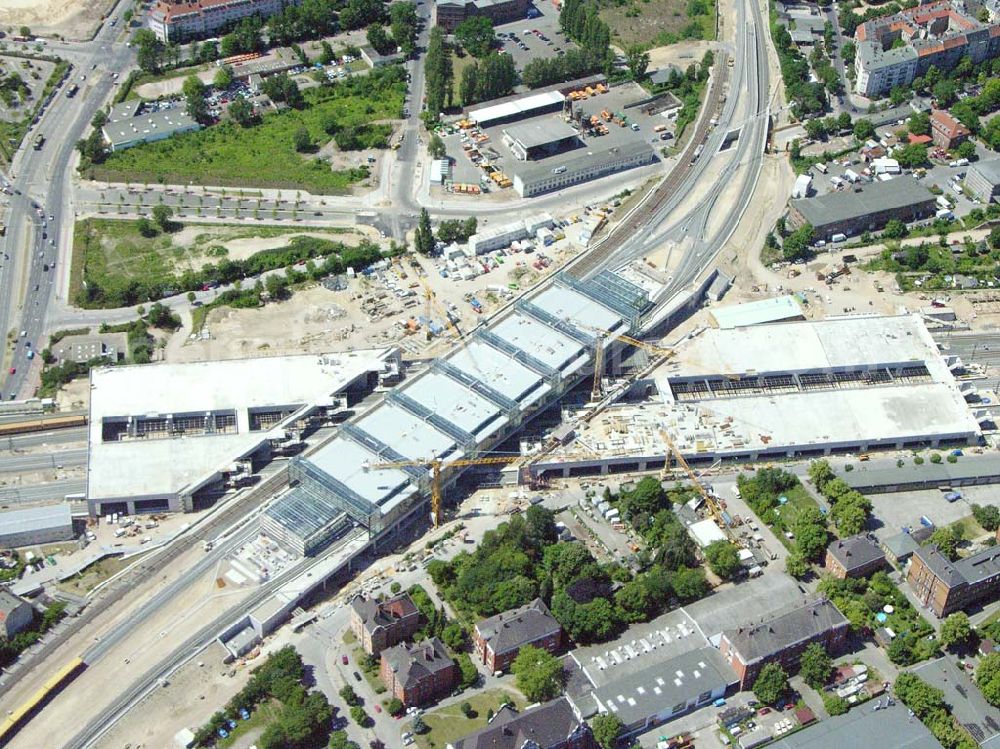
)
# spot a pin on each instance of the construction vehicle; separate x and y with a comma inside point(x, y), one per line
point(435, 464)
point(606, 115)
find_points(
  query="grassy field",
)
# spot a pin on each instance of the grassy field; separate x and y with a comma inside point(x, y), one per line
point(262, 155)
point(94, 575)
point(799, 499)
point(654, 23)
point(109, 251)
point(448, 723)
point(969, 528)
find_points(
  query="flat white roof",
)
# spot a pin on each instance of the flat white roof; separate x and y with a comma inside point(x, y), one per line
point(348, 462)
point(755, 313)
point(409, 435)
point(576, 309)
point(706, 532)
point(454, 402)
point(163, 467)
point(804, 346)
point(35, 519)
point(541, 341)
point(525, 104)
point(499, 371)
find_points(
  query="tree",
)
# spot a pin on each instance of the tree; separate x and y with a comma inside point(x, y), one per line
point(454, 636)
point(771, 683)
point(348, 695)
point(987, 516)
point(439, 73)
point(835, 705)
point(359, 716)
point(303, 142)
point(538, 674)
point(918, 695)
point(468, 87)
point(796, 244)
point(149, 50)
point(436, 147)
point(820, 473)
point(894, 229)
point(912, 155)
point(955, 630)
point(796, 564)
point(844, 121)
point(223, 77)
point(470, 674)
point(815, 666)
point(920, 124)
point(946, 540)
point(966, 150)
point(689, 583)
point(146, 227)
point(864, 130)
point(637, 60)
point(475, 34)
point(424, 236)
point(466, 709)
point(162, 215)
point(606, 727)
point(241, 112)
point(379, 39)
point(194, 97)
point(988, 678)
point(404, 22)
point(723, 558)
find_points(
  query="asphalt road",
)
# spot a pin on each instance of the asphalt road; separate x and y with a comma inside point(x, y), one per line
point(973, 348)
point(41, 461)
point(10, 496)
point(40, 180)
point(42, 439)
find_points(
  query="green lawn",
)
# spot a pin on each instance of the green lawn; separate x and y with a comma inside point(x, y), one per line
point(262, 155)
point(447, 724)
point(654, 23)
point(798, 499)
point(968, 528)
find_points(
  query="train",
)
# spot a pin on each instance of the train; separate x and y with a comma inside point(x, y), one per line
point(42, 424)
point(16, 720)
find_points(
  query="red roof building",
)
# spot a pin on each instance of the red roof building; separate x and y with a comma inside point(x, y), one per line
point(946, 131)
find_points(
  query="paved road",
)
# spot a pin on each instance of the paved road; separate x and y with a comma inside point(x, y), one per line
point(10, 496)
point(41, 461)
point(978, 348)
point(42, 439)
point(40, 218)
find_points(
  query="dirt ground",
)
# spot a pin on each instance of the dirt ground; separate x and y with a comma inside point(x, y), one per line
point(75, 395)
point(680, 55)
point(72, 19)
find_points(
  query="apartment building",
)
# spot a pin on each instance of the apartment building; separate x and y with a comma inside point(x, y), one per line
point(381, 624)
point(944, 586)
point(855, 556)
point(500, 638)
point(418, 674)
point(893, 50)
point(450, 13)
point(782, 638)
point(946, 131)
point(177, 20)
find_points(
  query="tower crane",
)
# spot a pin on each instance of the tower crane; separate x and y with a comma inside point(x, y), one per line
point(430, 299)
point(435, 464)
point(710, 501)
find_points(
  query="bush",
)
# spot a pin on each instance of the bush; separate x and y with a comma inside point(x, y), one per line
point(935, 458)
point(835, 705)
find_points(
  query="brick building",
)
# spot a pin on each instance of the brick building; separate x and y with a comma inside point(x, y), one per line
point(177, 20)
point(553, 725)
point(945, 586)
point(450, 13)
point(381, 624)
point(418, 674)
point(946, 131)
point(499, 638)
point(856, 556)
point(782, 639)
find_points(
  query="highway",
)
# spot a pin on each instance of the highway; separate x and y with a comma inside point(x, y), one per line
point(40, 218)
point(53, 491)
point(42, 439)
point(41, 461)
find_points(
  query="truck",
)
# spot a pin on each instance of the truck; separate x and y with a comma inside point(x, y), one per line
point(839, 237)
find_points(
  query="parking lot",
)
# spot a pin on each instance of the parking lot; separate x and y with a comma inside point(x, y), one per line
point(523, 41)
point(900, 509)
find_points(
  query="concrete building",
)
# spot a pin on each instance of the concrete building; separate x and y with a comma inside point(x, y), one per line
point(935, 33)
point(123, 132)
point(538, 178)
point(183, 430)
point(552, 725)
point(500, 638)
point(855, 556)
point(798, 389)
point(664, 691)
point(979, 471)
point(891, 727)
point(497, 237)
point(179, 20)
point(36, 525)
point(536, 140)
point(944, 586)
point(418, 674)
point(450, 13)
point(866, 208)
point(983, 180)
point(16, 614)
point(782, 638)
point(85, 348)
point(517, 108)
point(946, 131)
point(381, 624)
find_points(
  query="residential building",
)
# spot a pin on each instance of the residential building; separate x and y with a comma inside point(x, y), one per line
point(16, 614)
point(782, 638)
point(552, 725)
point(418, 674)
point(946, 131)
point(893, 50)
point(381, 624)
point(450, 13)
point(146, 127)
point(178, 20)
point(944, 586)
point(499, 638)
point(867, 208)
point(663, 691)
point(36, 525)
point(855, 556)
point(983, 180)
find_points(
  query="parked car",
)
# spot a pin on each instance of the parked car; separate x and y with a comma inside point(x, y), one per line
point(343, 659)
point(357, 676)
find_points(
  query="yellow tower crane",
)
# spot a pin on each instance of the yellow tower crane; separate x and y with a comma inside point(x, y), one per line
point(710, 500)
point(430, 299)
point(435, 464)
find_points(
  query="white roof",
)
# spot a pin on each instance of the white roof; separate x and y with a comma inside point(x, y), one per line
point(706, 532)
point(755, 313)
point(35, 519)
point(524, 105)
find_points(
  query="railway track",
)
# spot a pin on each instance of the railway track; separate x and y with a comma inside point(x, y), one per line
point(599, 253)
